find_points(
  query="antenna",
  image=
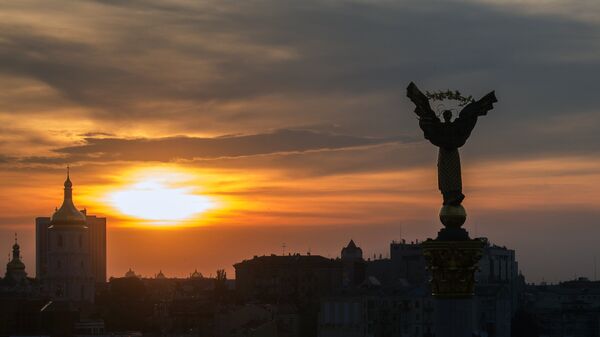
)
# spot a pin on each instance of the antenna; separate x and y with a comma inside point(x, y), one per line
point(283, 249)
point(401, 232)
point(595, 269)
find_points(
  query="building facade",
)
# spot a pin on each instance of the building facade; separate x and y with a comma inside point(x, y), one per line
point(353, 265)
point(71, 257)
point(97, 239)
point(394, 298)
point(287, 278)
point(15, 268)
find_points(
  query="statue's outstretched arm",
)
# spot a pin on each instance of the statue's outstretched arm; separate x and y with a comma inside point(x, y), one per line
point(479, 108)
point(422, 109)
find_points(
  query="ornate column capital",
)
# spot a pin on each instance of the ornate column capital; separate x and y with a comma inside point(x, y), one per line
point(452, 265)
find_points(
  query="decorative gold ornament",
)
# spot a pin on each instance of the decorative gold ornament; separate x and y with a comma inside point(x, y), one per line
point(452, 265)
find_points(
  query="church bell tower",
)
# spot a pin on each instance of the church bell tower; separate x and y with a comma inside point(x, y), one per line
point(68, 275)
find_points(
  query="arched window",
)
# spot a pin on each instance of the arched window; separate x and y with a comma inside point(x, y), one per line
point(60, 241)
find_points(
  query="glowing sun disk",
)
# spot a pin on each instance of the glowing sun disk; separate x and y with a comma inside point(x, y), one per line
point(151, 200)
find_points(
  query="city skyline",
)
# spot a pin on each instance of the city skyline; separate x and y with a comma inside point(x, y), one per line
point(288, 123)
point(93, 221)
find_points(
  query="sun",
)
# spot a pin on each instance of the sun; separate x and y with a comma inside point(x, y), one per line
point(154, 198)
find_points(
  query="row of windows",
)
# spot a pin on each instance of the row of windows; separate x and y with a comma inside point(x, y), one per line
point(60, 241)
point(60, 292)
point(59, 264)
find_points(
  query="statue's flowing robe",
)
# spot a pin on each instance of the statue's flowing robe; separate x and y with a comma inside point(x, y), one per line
point(449, 176)
point(448, 137)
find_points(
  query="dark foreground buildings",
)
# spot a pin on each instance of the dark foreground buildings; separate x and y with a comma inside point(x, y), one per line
point(379, 297)
point(70, 266)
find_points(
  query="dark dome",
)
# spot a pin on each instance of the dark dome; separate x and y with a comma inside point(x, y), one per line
point(68, 214)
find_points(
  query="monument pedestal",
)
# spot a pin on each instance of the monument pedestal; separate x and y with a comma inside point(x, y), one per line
point(452, 260)
point(454, 317)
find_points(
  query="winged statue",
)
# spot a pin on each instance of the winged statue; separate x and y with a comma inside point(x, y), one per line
point(449, 135)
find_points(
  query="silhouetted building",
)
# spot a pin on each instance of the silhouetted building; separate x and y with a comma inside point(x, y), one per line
point(294, 278)
point(497, 290)
point(252, 320)
point(297, 280)
point(373, 310)
point(64, 253)
point(394, 298)
point(97, 239)
point(408, 262)
point(97, 243)
point(16, 284)
point(353, 265)
point(15, 268)
point(570, 308)
point(130, 273)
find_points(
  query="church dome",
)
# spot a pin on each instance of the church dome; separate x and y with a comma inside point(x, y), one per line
point(196, 274)
point(68, 214)
point(130, 273)
point(15, 268)
point(160, 275)
point(15, 264)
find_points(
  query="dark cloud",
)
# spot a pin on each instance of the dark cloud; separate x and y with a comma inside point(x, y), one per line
point(4, 159)
point(189, 148)
point(206, 67)
point(96, 134)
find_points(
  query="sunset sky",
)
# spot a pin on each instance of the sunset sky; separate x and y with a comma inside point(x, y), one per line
point(288, 122)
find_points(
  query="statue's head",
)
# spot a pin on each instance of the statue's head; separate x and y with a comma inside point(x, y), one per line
point(447, 116)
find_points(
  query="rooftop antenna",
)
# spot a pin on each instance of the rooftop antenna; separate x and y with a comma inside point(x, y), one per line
point(283, 249)
point(595, 269)
point(401, 232)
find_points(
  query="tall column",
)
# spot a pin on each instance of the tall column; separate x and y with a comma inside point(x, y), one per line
point(452, 260)
point(452, 257)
